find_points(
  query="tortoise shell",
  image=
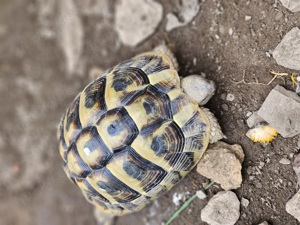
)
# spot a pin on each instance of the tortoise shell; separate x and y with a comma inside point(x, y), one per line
point(132, 134)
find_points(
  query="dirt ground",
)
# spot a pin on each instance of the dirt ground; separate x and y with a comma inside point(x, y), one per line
point(35, 90)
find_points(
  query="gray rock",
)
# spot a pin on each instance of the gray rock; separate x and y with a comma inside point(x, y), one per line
point(222, 209)
point(200, 89)
point(296, 167)
point(70, 34)
point(188, 10)
point(281, 110)
point(254, 119)
point(222, 163)
point(287, 52)
point(292, 5)
point(293, 205)
point(137, 20)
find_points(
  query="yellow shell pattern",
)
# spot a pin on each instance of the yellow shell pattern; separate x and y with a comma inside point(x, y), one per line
point(132, 134)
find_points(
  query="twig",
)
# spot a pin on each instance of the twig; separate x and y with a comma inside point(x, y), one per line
point(276, 75)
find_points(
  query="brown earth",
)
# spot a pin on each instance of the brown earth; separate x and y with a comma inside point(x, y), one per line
point(35, 91)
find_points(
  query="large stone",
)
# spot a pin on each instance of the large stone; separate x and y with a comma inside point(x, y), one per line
point(222, 209)
point(296, 167)
point(292, 5)
point(222, 163)
point(137, 20)
point(293, 206)
point(281, 110)
point(287, 52)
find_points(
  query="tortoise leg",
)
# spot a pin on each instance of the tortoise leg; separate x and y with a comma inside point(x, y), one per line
point(216, 133)
point(104, 219)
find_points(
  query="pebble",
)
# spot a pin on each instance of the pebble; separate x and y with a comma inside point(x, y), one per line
point(187, 11)
point(222, 209)
point(221, 162)
point(292, 206)
point(223, 96)
point(200, 194)
point(230, 97)
point(225, 107)
point(264, 223)
point(144, 15)
point(292, 5)
point(285, 161)
point(245, 202)
point(248, 18)
point(288, 50)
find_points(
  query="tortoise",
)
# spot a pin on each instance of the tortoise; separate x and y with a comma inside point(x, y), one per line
point(132, 133)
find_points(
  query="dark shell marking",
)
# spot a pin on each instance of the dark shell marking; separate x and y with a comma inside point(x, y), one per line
point(131, 135)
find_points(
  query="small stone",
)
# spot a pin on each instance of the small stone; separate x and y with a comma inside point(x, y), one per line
point(254, 119)
point(292, 206)
point(251, 177)
point(222, 209)
point(145, 16)
point(248, 18)
point(285, 161)
point(200, 194)
point(230, 97)
point(248, 114)
point(244, 202)
point(198, 88)
point(287, 52)
point(264, 223)
point(230, 31)
point(281, 110)
point(292, 5)
point(222, 163)
point(187, 11)
point(225, 107)
point(223, 96)
point(279, 16)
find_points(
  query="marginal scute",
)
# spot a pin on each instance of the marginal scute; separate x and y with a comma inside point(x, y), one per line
point(92, 103)
point(132, 134)
point(107, 184)
point(72, 123)
point(75, 163)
